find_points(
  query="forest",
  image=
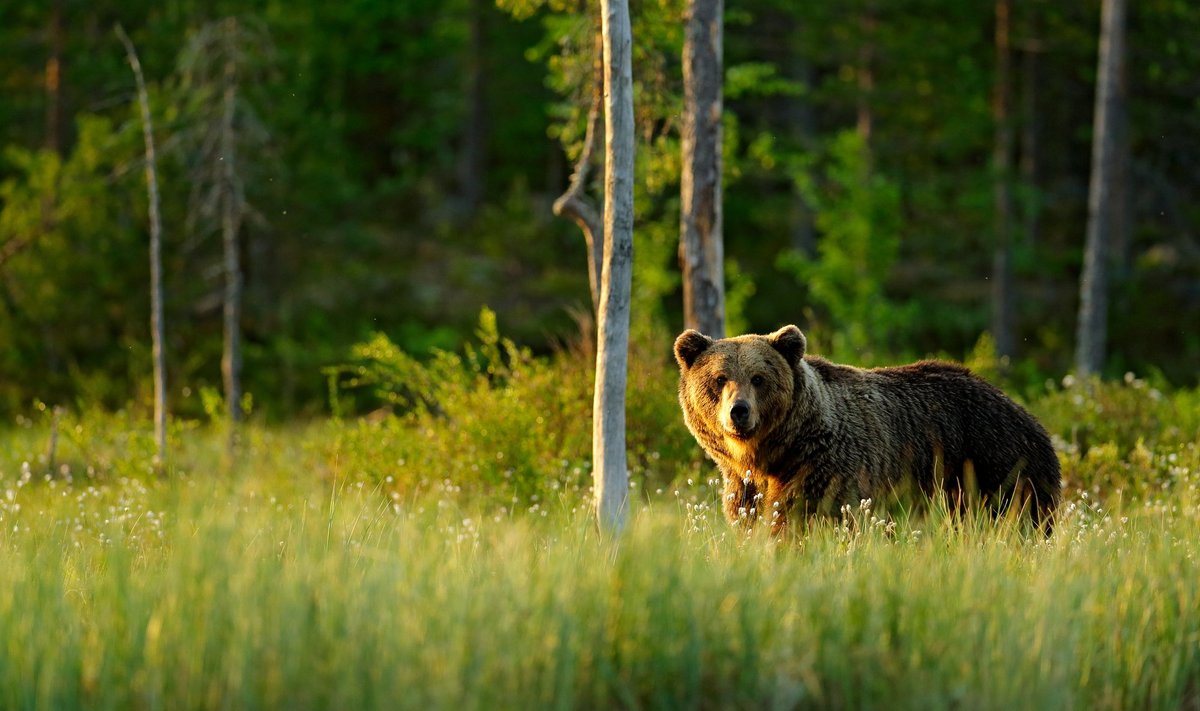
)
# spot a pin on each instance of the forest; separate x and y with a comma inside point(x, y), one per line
point(337, 365)
point(397, 163)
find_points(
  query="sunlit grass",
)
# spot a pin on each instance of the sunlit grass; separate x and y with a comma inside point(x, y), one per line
point(281, 591)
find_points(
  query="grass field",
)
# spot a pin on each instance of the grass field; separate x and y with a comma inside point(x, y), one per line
point(448, 560)
point(284, 590)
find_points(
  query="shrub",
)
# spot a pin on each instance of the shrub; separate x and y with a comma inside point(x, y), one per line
point(498, 423)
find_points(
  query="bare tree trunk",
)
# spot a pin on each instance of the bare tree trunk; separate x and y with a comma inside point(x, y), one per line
point(54, 78)
point(156, 287)
point(701, 244)
point(470, 165)
point(865, 124)
point(1029, 137)
point(231, 359)
point(1093, 283)
point(1002, 278)
point(609, 469)
point(574, 203)
point(1120, 210)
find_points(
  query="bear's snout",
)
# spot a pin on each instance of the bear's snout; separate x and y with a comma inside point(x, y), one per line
point(739, 414)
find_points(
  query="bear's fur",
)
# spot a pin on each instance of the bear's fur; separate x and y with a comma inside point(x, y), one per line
point(794, 434)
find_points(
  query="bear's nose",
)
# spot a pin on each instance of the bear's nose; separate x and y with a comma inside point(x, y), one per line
point(740, 413)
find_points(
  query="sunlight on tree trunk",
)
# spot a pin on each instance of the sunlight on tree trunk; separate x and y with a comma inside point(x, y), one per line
point(156, 287)
point(701, 244)
point(609, 468)
point(1093, 283)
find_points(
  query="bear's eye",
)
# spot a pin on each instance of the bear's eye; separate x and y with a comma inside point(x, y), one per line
point(721, 380)
point(756, 381)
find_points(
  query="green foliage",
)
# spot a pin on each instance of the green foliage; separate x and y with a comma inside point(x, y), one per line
point(1123, 414)
point(857, 211)
point(362, 225)
point(497, 423)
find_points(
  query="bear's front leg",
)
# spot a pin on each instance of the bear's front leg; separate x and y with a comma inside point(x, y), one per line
point(740, 500)
point(748, 500)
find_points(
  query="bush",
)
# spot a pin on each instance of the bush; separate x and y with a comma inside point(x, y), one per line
point(498, 423)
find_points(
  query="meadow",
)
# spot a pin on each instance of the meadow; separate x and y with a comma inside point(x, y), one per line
point(443, 555)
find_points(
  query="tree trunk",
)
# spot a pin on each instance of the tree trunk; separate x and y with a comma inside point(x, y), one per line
point(53, 140)
point(231, 359)
point(865, 123)
point(609, 470)
point(701, 245)
point(1120, 210)
point(1029, 137)
point(574, 203)
point(156, 288)
point(470, 164)
point(1002, 278)
point(1093, 283)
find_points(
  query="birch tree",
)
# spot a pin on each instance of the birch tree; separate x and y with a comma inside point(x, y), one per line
point(701, 243)
point(609, 469)
point(1093, 282)
point(156, 288)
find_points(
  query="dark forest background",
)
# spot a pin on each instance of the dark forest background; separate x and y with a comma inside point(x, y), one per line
point(400, 160)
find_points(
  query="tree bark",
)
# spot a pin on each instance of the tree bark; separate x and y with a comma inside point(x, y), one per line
point(471, 159)
point(53, 140)
point(609, 470)
point(865, 122)
point(701, 245)
point(1029, 137)
point(1093, 283)
point(1002, 278)
point(574, 203)
point(157, 328)
point(231, 358)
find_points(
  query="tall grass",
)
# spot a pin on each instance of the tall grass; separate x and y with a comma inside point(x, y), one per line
point(442, 556)
point(222, 594)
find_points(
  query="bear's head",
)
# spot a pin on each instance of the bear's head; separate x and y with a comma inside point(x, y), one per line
point(737, 389)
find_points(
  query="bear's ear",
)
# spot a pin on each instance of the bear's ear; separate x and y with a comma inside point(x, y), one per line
point(689, 346)
point(790, 343)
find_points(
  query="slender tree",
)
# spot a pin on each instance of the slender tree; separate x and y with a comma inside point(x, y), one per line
point(1002, 152)
point(156, 287)
point(219, 66)
point(575, 203)
point(865, 72)
point(474, 134)
point(609, 469)
point(54, 63)
point(232, 201)
point(701, 245)
point(1093, 283)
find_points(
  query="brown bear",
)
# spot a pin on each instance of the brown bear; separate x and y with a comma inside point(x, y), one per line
point(796, 435)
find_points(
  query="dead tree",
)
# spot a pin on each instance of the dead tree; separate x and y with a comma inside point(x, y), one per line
point(575, 203)
point(219, 66)
point(156, 287)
